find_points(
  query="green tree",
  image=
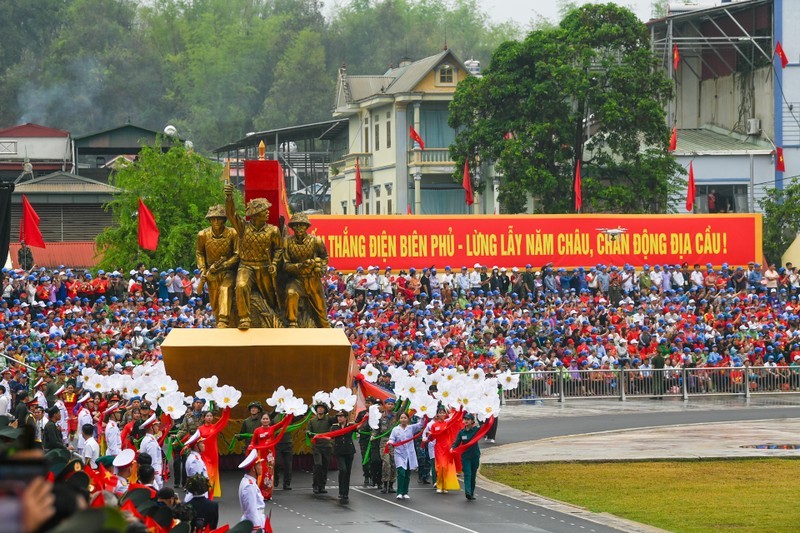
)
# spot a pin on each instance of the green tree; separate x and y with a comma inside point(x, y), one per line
point(178, 187)
point(781, 220)
point(588, 90)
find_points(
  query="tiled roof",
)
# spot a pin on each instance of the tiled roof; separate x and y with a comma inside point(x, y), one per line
point(64, 183)
point(710, 140)
point(32, 130)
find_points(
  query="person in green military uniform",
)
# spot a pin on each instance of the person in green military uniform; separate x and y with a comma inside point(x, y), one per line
point(658, 361)
point(471, 458)
point(345, 451)
point(321, 449)
point(385, 424)
point(252, 422)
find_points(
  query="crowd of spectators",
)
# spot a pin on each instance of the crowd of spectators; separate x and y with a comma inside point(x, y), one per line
point(61, 321)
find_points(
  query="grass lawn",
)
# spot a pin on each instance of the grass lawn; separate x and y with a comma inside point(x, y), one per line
point(681, 496)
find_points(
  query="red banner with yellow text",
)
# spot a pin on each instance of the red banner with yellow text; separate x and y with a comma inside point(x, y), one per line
point(515, 240)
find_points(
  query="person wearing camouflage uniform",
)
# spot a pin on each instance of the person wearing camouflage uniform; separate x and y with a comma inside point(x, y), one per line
point(306, 260)
point(217, 257)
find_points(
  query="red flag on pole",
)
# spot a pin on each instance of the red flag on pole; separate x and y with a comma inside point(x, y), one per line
point(415, 136)
point(29, 231)
point(690, 191)
point(359, 186)
point(673, 139)
point(148, 230)
point(578, 197)
point(469, 197)
point(676, 57)
point(780, 53)
point(780, 164)
point(408, 209)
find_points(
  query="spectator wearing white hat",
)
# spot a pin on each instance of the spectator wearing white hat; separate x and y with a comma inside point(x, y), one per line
point(150, 446)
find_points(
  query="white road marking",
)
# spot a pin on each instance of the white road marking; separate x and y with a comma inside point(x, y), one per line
point(462, 528)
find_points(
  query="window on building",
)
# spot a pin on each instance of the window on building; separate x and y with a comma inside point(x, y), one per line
point(8, 147)
point(377, 207)
point(446, 74)
point(366, 135)
point(377, 137)
point(389, 206)
point(366, 208)
point(389, 134)
point(722, 199)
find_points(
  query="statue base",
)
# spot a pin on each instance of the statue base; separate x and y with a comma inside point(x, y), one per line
point(258, 361)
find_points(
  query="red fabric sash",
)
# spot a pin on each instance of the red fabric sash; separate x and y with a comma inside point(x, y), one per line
point(455, 418)
point(458, 450)
point(370, 389)
point(402, 442)
point(283, 424)
point(339, 432)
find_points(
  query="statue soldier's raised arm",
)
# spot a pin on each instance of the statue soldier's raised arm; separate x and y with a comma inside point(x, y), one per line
point(217, 257)
point(305, 260)
point(259, 254)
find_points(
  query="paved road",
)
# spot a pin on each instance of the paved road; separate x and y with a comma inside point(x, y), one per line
point(370, 511)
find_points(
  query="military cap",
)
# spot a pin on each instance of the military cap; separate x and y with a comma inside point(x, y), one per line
point(216, 211)
point(257, 205)
point(298, 219)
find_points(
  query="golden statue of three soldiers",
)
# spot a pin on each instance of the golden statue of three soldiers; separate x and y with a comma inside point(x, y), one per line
point(275, 279)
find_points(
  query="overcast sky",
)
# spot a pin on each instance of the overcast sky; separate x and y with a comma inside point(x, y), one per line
point(522, 11)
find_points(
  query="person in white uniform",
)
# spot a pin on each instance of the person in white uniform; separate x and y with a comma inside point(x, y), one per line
point(150, 446)
point(405, 457)
point(84, 417)
point(250, 497)
point(91, 449)
point(194, 461)
point(113, 436)
point(63, 423)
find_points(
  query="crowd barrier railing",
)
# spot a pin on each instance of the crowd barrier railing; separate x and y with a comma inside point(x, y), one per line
point(623, 383)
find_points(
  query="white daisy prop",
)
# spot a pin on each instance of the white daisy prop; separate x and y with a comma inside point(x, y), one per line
point(279, 397)
point(486, 408)
point(370, 373)
point(408, 386)
point(227, 396)
point(476, 374)
point(173, 404)
point(343, 399)
point(374, 416)
point(508, 380)
point(95, 383)
point(321, 397)
point(424, 405)
point(208, 387)
point(295, 406)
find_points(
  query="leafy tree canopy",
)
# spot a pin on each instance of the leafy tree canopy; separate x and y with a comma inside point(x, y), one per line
point(178, 187)
point(781, 220)
point(587, 90)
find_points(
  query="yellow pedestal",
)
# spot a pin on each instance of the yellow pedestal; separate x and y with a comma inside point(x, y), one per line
point(258, 361)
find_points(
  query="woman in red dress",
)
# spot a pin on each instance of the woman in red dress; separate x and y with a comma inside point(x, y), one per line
point(209, 431)
point(264, 441)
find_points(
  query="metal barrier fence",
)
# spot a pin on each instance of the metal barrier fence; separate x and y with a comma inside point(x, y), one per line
point(570, 384)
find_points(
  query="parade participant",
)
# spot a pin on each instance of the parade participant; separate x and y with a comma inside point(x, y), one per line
point(40, 422)
point(388, 468)
point(91, 449)
point(306, 260)
point(284, 455)
point(39, 395)
point(112, 432)
point(194, 461)
point(51, 435)
point(209, 431)
point(123, 468)
point(321, 448)
point(84, 417)
point(259, 254)
point(405, 457)
point(149, 445)
point(250, 498)
point(470, 459)
point(441, 434)
point(262, 440)
point(126, 435)
point(191, 421)
point(363, 441)
point(70, 401)
point(344, 450)
point(63, 423)
point(206, 511)
point(217, 257)
point(252, 422)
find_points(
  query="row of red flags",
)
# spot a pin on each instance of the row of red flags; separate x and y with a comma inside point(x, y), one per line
point(31, 234)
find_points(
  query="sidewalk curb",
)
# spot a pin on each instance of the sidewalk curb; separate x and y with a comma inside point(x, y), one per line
point(604, 519)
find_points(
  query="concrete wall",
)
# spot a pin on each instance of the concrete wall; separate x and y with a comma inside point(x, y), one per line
point(41, 148)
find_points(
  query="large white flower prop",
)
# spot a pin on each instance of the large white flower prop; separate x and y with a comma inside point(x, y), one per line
point(433, 379)
point(374, 416)
point(321, 397)
point(448, 374)
point(95, 383)
point(173, 404)
point(208, 386)
point(137, 387)
point(446, 393)
point(424, 405)
point(88, 372)
point(420, 369)
point(508, 380)
point(279, 397)
point(370, 373)
point(227, 396)
point(486, 407)
point(397, 372)
point(343, 399)
point(162, 385)
point(294, 406)
point(476, 374)
point(407, 386)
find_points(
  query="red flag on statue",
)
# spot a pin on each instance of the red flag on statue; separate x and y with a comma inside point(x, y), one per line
point(469, 197)
point(673, 139)
point(676, 57)
point(415, 136)
point(148, 230)
point(780, 164)
point(781, 54)
point(690, 190)
point(359, 185)
point(29, 231)
point(578, 197)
